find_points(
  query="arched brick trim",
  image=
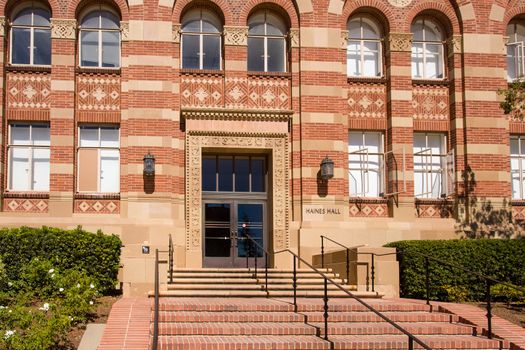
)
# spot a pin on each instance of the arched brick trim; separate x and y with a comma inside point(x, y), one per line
point(220, 6)
point(512, 11)
point(287, 6)
point(75, 6)
point(445, 14)
point(7, 5)
point(377, 8)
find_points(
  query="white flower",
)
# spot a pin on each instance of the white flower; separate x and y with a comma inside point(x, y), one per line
point(10, 311)
point(61, 289)
point(70, 318)
point(9, 284)
point(51, 270)
point(45, 307)
point(91, 302)
point(91, 286)
point(8, 334)
point(78, 285)
point(53, 276)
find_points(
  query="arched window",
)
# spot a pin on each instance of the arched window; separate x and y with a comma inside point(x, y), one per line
point(427, 50)
point(31, 36)
point(515, 50)
point(100, 39)
point(363, 53)
point(266, 42)
point(201, 40)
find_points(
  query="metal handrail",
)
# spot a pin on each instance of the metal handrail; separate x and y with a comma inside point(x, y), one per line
point(411, 338)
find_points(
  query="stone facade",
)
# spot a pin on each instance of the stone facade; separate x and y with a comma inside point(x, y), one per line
point(293, 118)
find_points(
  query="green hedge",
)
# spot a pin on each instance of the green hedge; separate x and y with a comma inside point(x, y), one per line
point(97, 255)
point(503, 260)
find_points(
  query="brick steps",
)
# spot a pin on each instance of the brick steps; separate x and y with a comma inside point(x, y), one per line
point(259, 292)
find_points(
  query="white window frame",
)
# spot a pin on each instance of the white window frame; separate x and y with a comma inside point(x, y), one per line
point(201, 36)
point(424, 43)
point(30, 146)
point(265, 37)
point(520, 157)
point(98, 148)
point(445, 174)
point(99, 30)
point(362, 42)
point(32, 45)
point(364, 168)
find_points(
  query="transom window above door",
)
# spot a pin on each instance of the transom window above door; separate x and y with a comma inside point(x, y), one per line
point(224, 173)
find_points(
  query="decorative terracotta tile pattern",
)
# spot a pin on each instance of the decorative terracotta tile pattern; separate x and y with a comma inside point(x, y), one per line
point(100, 206)
point(266, 92)
point(98, 92)
point(430, 102)
point(367, 100)
point(434, 209)
point(518, 211)
point(206, 91)
point(236, 92)
point(368, 209)
point(26, 205)
point(28, 91)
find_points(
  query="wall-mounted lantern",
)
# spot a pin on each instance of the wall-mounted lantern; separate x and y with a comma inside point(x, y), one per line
point(327, 169)
point(149, 164)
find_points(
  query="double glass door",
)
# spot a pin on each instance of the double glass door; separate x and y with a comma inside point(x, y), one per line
point(226, 225)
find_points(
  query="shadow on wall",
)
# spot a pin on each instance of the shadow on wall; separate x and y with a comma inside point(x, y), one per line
point(479, 217)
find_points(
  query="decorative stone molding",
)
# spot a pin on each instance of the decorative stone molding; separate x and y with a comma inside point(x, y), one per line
point(236, 36)
point(400, 42)
point(344, 39)
point(2, 25)
point(231, 114)
point(63, 28)
point(124, 31)
point(277, 144)
point(400, 3)
point(294, 37)
point(176, 33)
point(455, 44)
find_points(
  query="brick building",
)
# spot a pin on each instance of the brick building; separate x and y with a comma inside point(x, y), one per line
point(239, 102)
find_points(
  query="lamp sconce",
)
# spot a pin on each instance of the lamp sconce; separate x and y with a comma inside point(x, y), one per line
point(149, 164)
point(327, 169)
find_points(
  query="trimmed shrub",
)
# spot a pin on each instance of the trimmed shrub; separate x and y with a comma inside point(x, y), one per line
point(500, 259)
point(96, 255)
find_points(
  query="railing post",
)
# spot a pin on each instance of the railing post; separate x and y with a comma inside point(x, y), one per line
point(322, 252)
point(171, 260)
point(410, 343)
point(373, 272)
point(156, 316)
point(489, 309)
point(255, 257)
point(347, 266)
point(266, 272)
point(367, 277)
point(325, 315)
point(294, 281)
point(427, 279)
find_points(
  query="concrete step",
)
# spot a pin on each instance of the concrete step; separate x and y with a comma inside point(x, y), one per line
point(250, 286)
point(214, 293)
point(261, 280)
point(243, 269)
point(244, 275)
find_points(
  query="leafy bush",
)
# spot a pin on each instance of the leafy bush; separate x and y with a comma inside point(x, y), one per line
point(501, 259)
point(97, 255)
point(502, 292)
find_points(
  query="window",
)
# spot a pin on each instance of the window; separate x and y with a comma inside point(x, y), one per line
point(363, 53)
point(31, 37)
point(366, 164)
point(222, 173)
point(517, 166)
point(427, 50)
point(515, 50)
point(431, 165)
point(28, 153)
point(201, 40)
point(266, 42)
point(99, 159)
point(100, 40)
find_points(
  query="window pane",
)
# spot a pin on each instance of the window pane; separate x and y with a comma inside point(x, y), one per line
point(91, 20)
point(353, 58)
point(21, 43)
point(210, 25)
point(109, 137)
point(433, 61)
point(89, 49)
point(20, 134)
point(19, 169)
point(355, 141)
point(42, 50)
point(242, 174)
point(193, 26)
point(275, 25)
point(419, 142)
point(256, 54)
point(190, 51)
point(355, 177)
point(417, 30)
point(23, 17)
point(41, 18)
point(514, 146)
point(276, 55)
point(89, 136)
point(435, 143)
point(110, 49)
point(371, 58)
point(417, 60)
point(109, 170)
point(256, 24)
point(41, 169)
point(209, 172)
point(211, 45)
point(258, 175)
point(354, 29)
point(511, 62)
point(373, 142)
point(109, 20)
point(418, 184)
point(369, 32)
point(41, 135)
point(225, 174)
